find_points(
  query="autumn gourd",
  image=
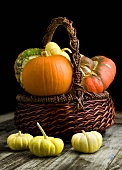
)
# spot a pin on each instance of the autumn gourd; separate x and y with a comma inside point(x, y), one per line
point(87, 142)
point(44, 146)
point(99, 76)
point(22, 60)
point(19, 141)
point(47, 75)
point(54, 48)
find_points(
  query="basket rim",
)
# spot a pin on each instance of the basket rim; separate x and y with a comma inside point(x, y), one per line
point(63, 98)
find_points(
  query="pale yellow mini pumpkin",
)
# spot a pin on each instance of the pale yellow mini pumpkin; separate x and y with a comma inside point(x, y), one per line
point(44, 146)
point(87, 142)
point(54, 49)
point(19, 141)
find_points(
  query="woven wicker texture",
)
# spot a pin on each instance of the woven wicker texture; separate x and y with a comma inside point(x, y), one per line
point(66, 114)
point(63, 119)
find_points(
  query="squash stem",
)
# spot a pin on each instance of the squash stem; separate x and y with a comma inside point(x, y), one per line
point(66, 49)
point(83, 132)
point(19, 133)
point(43, 132)
point(45, 53)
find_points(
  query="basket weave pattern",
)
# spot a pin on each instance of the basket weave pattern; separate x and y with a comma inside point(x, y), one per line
point(66, 114)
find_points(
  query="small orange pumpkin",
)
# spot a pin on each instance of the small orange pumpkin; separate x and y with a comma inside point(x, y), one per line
point(47, 75)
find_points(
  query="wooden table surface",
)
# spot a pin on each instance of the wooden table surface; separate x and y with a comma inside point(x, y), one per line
point(108, 157)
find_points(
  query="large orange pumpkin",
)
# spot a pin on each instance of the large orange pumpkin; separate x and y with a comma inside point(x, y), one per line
point(100, 76)
point(47, 75)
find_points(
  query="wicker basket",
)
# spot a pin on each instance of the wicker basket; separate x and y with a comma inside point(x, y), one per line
point(66, 114)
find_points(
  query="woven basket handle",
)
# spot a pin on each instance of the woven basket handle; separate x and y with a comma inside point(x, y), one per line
point(74, 44)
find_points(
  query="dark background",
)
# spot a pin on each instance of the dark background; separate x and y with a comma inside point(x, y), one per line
point(23, 26)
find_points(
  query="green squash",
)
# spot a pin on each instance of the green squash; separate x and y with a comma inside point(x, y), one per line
point(23, 59)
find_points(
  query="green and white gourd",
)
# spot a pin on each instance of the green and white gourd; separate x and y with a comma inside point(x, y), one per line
point(22, 59)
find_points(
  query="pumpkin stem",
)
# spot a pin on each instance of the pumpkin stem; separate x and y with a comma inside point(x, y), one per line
point(87, 72)
point(43, 132)
point(66, 49)
point(83, 131)
point(45, 53)
point(19, 133)
point(93, 73)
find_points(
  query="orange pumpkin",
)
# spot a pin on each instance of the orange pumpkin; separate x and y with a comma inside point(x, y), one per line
point(101, 76)
point(47, 75)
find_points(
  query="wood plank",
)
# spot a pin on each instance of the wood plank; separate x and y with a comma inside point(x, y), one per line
point(117, 162)
point(98, 160)
point(6, 116)
point(14, 160)
point(7, 126)
point(118, 118)
point(69, 159)
point(4, 136)
point(4, 150)
point(44, 163)
point(107, 158)
point(25, 160)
